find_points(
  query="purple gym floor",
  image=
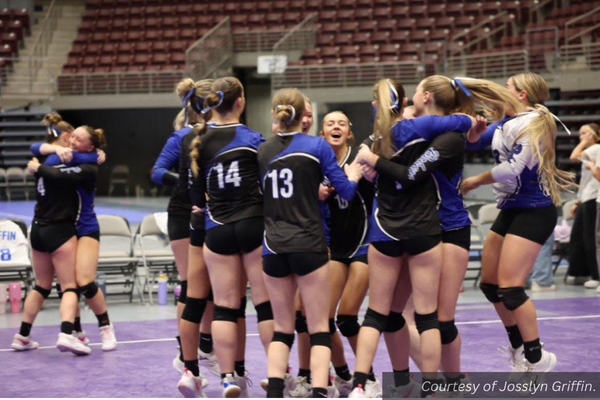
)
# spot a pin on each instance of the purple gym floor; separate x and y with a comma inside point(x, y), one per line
point(141, 364)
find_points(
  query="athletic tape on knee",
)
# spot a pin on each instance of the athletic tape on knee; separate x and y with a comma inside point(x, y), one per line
point(241, 313)
point(285, 338)
point(89, 291)
point(225, 314)
point(490, 292)
point(264, 312)
point(320, 339)
point(194, 309)
point(332, 326)
point(426, 322)
point(44, 292)
point(513, 297)
point(448, 331)
point(348, 325)
point(375, 320)
point(301, 326)
point(395, 322)
point(183, 294)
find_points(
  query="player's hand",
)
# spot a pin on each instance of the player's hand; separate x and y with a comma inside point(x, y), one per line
point(366, 156)
point(101, 156)
point(469, 184)
point(33, 165)
point(65, 154)
point(353, 171)
point(325, 192)
point(369, 172)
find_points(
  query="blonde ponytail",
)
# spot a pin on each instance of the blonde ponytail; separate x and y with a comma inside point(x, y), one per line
point(386, 114)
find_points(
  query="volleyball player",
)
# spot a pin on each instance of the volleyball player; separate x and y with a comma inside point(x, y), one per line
point(526, 185)
point(294, 247)
point(225, 160)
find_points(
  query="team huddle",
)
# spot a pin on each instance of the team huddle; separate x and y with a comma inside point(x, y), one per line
point(312, 223)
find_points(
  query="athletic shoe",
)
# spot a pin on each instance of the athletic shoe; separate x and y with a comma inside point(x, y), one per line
point(301, 388)
point(22, 343)
point(515, 359)
point(231, 389)
point(332, 392)
point(546, 364)
point(209, 361)
point(289, 384)
point(71, 343)
point(190, 386)
point(577, 280)
point(357, 393)
point(109, 340)
point(598, 290)
point(536, 287)
point(373, 389)
point(591, 284)
point(178, 364)
point(411, 390)
point(82, 337)
point(344, 387)
point(243, 382)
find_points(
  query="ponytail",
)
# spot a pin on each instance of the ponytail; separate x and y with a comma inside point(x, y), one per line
point(389, 96)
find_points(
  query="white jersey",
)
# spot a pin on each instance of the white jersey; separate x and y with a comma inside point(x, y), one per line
point(14, 248)
point(517, 183)
point(588, 185)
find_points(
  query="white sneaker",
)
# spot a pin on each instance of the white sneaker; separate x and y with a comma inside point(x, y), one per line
point(536, 287)
point(109, 340)
point(178, 364)
point(22, 343)
point(231, 389)
point(191, 386)
point(515, 359)
point(243, 382)
point(577, 280)
point(344, 387)
point(82, 337)
point(591, 284)
point(373, 389)
point(546, 364)
point(209, 361)
point(332, 392)
point(357, 393)
point(70, 343)
point(411, 390)
point(301, 388)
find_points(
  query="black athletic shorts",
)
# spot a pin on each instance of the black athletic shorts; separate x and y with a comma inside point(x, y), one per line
point(241, 236)
point(196, 228)
point(460, 237)
point(284, 264)
point(535, 224)
point(347, 261)
point(178, 227)
point(413, 247)
point(93, 235)
point(49, 238)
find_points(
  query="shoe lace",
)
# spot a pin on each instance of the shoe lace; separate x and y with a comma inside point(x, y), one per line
point(105, 333)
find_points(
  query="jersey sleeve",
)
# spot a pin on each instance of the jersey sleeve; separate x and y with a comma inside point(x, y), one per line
point(167, 159)
point(71, 175)
point(442, 149)
point(35, 149)
point(520, 156)
point(430, 126)
point(84, 158)
point(344, 187)
point(485, 140)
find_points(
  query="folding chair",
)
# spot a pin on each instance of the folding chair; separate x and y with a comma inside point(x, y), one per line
point(15, 262)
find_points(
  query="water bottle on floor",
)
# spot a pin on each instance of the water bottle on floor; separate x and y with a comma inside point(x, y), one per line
point(15, 296)
point(162, 289)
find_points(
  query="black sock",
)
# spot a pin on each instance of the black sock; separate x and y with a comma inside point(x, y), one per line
point(240, 367)
point(103, 319)
point(275, 388)
point(360, 378)
point(192, 365)
point(180, 348)
point(452, 382)
point(206, 343)
point(533, 350)
point(25, 329)
point(319, 392)
point(401, 377)
point(429, 390)
point(66, 327)
point(372, 377)
point(305, 373)
point(343, 372)
point(514, 335)
point(77, 325)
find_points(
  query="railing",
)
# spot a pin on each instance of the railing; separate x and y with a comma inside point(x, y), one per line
point(580, 57)
point(488, 66)
point(580, 33)
point(257, 40)
point(39, 50)
point(119, 83)
point(536, 9)
point(302, 36)
point(346, 75)
point(542, 49)
point(211, 53)
point(464, 35)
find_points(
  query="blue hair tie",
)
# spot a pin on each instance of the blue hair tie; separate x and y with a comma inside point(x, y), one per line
point(221, 97)
point(457, 82)
point(393, 96)
point(184, 101)
point(198, 104)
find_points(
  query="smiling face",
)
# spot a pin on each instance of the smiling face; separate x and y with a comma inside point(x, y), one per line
point(307, 117)
point(81, 141)
point(336, 129)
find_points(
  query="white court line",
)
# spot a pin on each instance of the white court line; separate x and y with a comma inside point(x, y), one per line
point(492, 321)
point(11, 215)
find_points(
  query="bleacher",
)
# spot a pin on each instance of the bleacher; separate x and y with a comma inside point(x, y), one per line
point(14, 25)
point(18, 130)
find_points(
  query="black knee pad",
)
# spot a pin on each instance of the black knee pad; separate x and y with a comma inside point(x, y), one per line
point(490, 292)
point(375, 320)
point(332, 326)
point(194, 309)
point(426, 322)
point(44, 292)
point(320, 339)
point(395, 322)
point(225, 314)
point(512, 297)
point(448, 331)
point(89, 291)
point(211, 296)
point(264, 312)
point(301, 326)
point(242, 310)
point(286, 338)
point(183, 294)
point(348, 325)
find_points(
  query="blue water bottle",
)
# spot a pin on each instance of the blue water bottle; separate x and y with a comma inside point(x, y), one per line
point(162, 289)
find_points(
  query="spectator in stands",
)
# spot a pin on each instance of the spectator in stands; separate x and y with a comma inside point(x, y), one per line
point(582, 245)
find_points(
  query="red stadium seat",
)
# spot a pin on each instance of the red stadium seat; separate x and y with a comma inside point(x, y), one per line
point(389, 50)
point(363, 14)
point(380, 37)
